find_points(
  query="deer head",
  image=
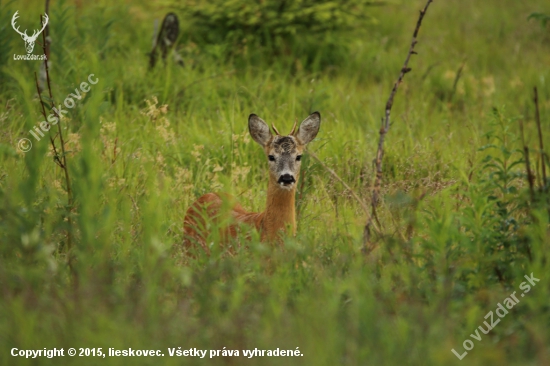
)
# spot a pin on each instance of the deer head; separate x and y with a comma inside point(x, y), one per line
point(284, 152)
point(29, 40)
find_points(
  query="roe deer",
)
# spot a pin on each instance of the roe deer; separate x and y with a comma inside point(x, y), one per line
point(283, 154)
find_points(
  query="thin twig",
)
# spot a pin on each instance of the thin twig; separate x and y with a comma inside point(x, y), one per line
point(47, 31)
point(541, 145)
point(52, 139)
point(457, 78)
point(359, 200)
point(114, 152)
point(530, 177)
point(63, 152)
point(386, 126)
point(64, 155)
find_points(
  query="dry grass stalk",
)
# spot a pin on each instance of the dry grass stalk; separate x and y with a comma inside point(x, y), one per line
point(60, 159)
point(357, 198)
point(384, 130)
point(530, 176)
point(541, 145)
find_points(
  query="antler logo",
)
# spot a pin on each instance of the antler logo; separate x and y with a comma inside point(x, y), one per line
point(29, 40)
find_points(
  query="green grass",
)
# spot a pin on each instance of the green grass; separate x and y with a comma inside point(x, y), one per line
point(460, 230)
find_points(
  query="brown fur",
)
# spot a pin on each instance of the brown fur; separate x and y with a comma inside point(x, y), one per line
point(279, 214)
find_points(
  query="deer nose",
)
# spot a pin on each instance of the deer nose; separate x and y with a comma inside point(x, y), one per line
point(287, 179)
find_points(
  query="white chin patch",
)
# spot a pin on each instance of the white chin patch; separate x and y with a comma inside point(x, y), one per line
point(286, 186)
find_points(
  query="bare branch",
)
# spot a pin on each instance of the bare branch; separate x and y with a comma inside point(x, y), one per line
point(530, 176)
point(63, 159)
point(52, 139)
point(541, 145)
point(457, 78)
point(47, 31)
point(386, 126)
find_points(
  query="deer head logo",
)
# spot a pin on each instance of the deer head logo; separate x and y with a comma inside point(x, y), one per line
point(29, 40)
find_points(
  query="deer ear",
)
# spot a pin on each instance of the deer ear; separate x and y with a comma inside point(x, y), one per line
point(259, 130)
point(309, 128)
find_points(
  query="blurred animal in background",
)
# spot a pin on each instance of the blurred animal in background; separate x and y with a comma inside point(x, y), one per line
point(165, 39)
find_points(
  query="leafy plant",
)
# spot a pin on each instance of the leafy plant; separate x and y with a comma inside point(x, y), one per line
point(498, 209)
point(245, 20)
point(299, 27)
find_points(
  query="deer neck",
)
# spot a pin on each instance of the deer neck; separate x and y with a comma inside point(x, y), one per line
point(280, 211)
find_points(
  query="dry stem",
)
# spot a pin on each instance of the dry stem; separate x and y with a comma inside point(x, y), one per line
point(62, 162)
point(386, 126)
point(541, 145)
point(530, 176)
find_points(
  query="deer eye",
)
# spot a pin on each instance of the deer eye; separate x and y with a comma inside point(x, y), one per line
point(271, 158)
point(299, 157)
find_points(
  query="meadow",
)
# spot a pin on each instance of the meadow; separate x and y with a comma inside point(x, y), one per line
point(90, 236)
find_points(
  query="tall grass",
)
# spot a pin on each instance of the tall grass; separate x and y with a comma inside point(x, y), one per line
point(461, 229)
